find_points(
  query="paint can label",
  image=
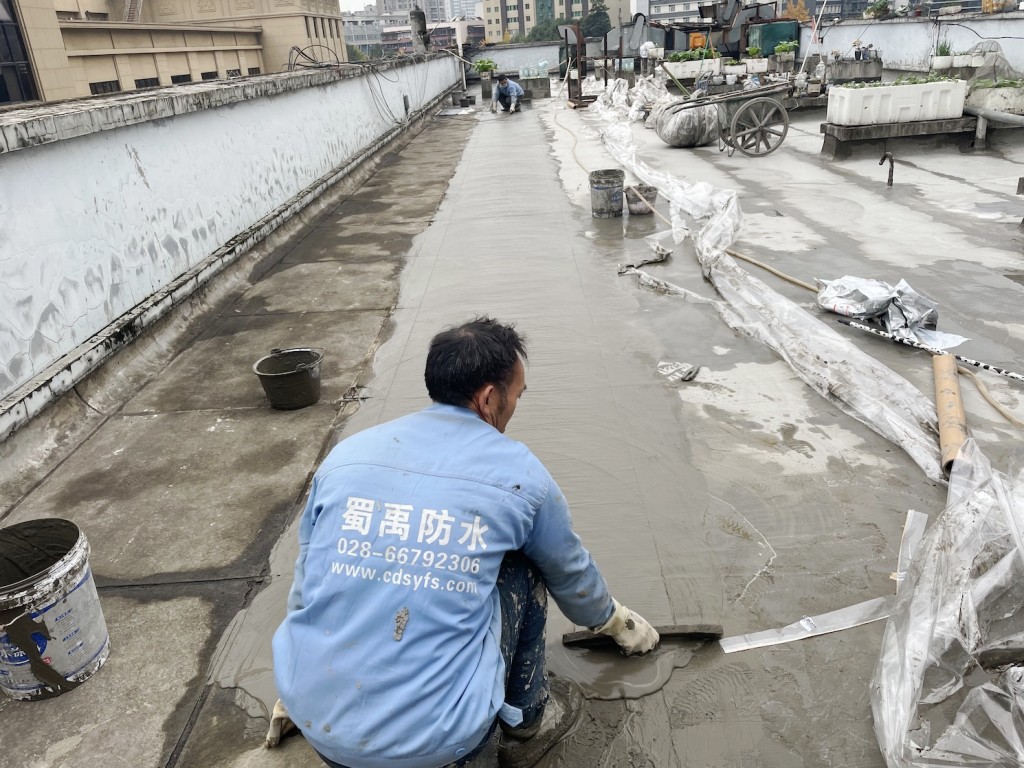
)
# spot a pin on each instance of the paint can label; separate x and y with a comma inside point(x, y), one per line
point(69, 635)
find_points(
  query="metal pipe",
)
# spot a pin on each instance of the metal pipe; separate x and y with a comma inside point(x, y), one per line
point(888, 156)
point(995, 115)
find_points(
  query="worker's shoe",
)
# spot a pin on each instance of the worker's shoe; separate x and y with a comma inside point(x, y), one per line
point(524, 747)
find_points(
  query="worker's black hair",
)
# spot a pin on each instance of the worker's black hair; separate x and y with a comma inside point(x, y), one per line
point(464, 358)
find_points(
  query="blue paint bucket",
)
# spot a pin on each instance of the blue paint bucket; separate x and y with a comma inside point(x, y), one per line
point(52, 633)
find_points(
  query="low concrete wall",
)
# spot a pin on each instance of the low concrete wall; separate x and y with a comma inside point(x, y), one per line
point(509, 58)
point(115, 209)
point(907, 45)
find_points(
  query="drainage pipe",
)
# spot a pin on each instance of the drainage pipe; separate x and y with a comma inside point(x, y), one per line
point(950, 409)
point(995, 115)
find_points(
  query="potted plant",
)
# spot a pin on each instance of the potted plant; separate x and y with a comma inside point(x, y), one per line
point(943, 58)
point(484, 67)
point(962, 59)
point(906, 99)
point(877, 9)
point(732, 67)
point(754, 61)
point(786, 51)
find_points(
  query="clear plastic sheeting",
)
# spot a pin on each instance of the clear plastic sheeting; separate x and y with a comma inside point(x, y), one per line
point(833, 366)
point(949, 686)
point(645, 95)
point(686, 125)
point(900, 310)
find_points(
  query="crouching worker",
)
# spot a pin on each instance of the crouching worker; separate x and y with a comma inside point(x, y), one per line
point(507, 93)
point(427, 548)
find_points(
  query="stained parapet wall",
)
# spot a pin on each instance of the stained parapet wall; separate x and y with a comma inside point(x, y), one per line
point(115, 209)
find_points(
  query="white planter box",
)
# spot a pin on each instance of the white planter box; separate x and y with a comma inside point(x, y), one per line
point(942, 62)
point(786, 56)
point(735, 69)
point(690, 70)
point(962, 60)
point(757, 65)
point(896, 103)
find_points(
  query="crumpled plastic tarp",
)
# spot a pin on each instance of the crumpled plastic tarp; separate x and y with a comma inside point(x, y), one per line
point(828, 362)
point(900, 310)
point(645, 95)
point(948, 689)
point(685, 125)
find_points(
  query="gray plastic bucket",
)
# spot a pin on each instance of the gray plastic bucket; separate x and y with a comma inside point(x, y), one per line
point(606, 193)
point(636, 205)
point(52, 633)
point(290, 377)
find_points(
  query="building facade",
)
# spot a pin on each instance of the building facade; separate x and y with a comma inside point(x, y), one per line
point(62, 49)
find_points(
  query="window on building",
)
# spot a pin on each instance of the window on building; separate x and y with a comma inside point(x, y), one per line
point(106, 86)
point(234, 73)
point(90, 16)
point(16, 83)
point(671, 9)
point(178, 79)
point(209, 75)
point(254, 70)
point(528, 18)
point(67, 16)
point(147, 82)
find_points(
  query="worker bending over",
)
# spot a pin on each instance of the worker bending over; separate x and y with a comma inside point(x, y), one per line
point(427, 548)
point(507, 93)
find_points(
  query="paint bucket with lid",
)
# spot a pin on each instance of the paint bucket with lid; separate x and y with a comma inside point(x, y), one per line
point(290, 377)
point(52, 633)
point(635, 197)
point(606, 193)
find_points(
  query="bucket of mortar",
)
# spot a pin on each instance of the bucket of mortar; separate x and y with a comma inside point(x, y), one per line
point(635, 197)
point(290, 377)
point(52, 633)
point(606, 193)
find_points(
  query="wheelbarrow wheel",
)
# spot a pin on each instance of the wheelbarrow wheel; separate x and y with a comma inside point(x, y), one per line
point(759, 126)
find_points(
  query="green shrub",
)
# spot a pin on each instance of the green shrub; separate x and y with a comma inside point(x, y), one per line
point(484, 65)
point(787, 47)
point(944, 48)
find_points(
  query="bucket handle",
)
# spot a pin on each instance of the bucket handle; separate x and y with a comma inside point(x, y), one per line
point(302, 366)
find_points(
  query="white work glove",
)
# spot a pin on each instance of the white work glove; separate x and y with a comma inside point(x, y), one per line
point(494, 107)
point(513, 108)
point(630, 630)
point(280, 725)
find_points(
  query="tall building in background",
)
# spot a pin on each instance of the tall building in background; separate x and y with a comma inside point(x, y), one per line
point(61, 49)
point(437, 11)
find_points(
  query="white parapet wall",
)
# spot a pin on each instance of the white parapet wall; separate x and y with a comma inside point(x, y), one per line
point(907, 44)
point(114, 209)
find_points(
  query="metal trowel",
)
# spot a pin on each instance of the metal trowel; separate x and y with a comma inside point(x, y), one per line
point(587, 639)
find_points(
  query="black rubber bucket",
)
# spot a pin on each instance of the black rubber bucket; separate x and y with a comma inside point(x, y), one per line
point(290, 377)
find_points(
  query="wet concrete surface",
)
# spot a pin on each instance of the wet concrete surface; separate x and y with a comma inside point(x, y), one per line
point(741, 497)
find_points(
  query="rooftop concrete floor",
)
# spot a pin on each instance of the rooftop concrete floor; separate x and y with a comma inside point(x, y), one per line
point(740, 497)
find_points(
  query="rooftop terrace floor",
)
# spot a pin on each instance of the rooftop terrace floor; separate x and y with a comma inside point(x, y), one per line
point(741, 497)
